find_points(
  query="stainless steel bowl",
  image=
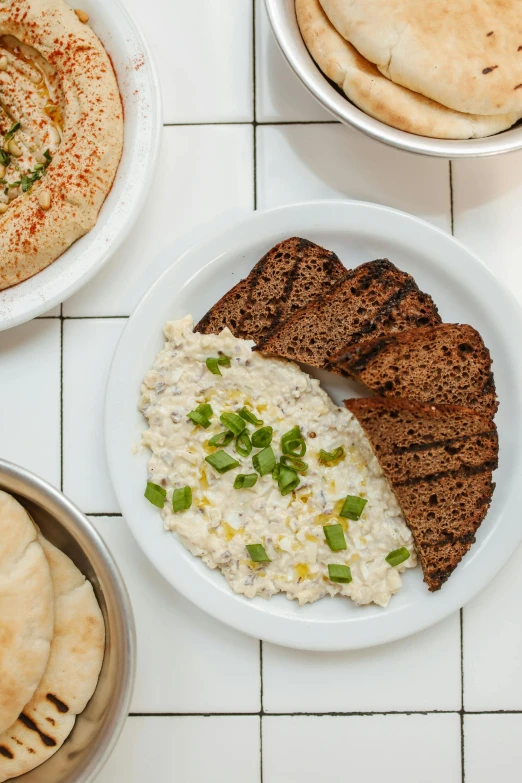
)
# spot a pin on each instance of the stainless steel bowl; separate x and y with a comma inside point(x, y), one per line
point(96, 730)
point(287, 34)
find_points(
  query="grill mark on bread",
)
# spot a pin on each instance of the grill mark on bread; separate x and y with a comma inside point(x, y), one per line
point(6, 752)
point(30, 724)
point(466, 471)
point(414, 447)
point(60, 706)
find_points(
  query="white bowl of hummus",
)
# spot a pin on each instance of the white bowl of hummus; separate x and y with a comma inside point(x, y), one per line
point(80, 123)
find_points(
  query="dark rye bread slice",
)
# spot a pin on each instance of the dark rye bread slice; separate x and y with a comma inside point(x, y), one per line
point(438, 460)
point(374, 299)
point(443, 364)
point(290, 275)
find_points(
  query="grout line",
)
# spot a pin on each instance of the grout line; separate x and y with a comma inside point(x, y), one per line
point(260, 749)
point(254, 84)
point(193, 714)
point(76, 317)
point(61, 397)
point(451, 196)
point(103, 514)
point(249, 122)
point(462, 764)
point(263, 714)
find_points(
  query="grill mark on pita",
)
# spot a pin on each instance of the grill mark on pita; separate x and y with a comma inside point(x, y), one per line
point(6, 752)
point(489, 69)
point(488, 34)
point(30, 724)
point(60, 706)
point(465, 471)
point(517, 86)
point(439, 444)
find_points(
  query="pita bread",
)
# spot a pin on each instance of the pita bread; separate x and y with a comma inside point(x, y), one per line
point(26, 610)
point(379, 97)
point(464, 55)
point(71, 674)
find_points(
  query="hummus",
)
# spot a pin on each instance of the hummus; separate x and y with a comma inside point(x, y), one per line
point(222, 520)
point(61, 133)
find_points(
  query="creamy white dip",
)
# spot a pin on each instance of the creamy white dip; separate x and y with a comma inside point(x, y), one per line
point(223, 520)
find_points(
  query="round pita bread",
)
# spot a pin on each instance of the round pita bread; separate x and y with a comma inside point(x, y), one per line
point(26, 610)
point(381, 98)
point(467, 56)
point(70, 677)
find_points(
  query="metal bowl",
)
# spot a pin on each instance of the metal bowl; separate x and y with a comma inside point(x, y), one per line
point(287, 34)
point(89, 746)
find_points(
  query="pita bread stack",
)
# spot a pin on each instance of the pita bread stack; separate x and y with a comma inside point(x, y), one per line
point(52, 641)
point(448, 70)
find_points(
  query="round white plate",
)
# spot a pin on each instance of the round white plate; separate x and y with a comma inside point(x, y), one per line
point(139, 88)
point(465, 291)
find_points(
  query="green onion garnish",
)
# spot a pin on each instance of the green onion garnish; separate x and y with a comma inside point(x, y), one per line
point(287, 480)
point(221, 461)
point(221, 439)
point(262, 437)
point(199, 418)
point(257, 553)
point(181, 499)
point(293, 443)
point(243, 444)
point(249, 416)
point(11, 132)
point(334, 537)
point(213, 364)
point(155, 494)
point(205, 409)
point(245, 480)
point(353, 507)
point(276, 471)
point(264, 461)
point(232, 422)
point(339, 573)
point(398, 556)
point(332, 457)
point(294, 462)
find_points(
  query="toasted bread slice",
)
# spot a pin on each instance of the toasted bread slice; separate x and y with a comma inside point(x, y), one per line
point(438, 460)
point(443, 364)
point(290, 275)
point(374, 299)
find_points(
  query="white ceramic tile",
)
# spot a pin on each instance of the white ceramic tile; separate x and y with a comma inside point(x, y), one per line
point(418, 673)
point(280, 94)
point(88, 346)
point(203, 51)
point(204, 172)
point(486, 202)
point(391, 748)
point(30, 397)
point(187, 662)
point(493, 643)
point(186, 750)
point(54, 312)
point(300, 162)
point(492, 748)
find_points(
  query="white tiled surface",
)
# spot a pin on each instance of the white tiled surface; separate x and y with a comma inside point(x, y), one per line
point(53, 372)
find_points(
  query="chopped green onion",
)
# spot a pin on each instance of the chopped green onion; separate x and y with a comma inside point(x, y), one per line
point(293, 443)
point(243, 444)
point(332, 457)
point(262, 437)
point(213, 364)
point(205, 409)
point(155, 494)
point(11, 132)
point(249, 416)
point(398, 556)
point(264, 461)
point(221, 439)
point(353, 507)
point(257, 553)
point(221, 461)
point(335, 539)
point(181, 499)
point(245, 480)
point(199, 418)
point(276, 471)
point(294, 462)
point(288, 480)
point(232, 422)
point(339, 573)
